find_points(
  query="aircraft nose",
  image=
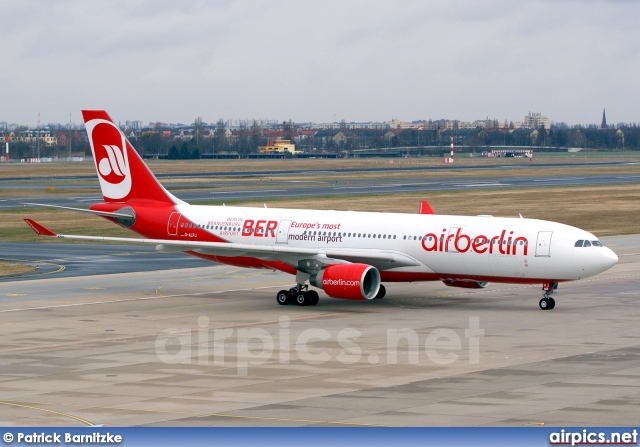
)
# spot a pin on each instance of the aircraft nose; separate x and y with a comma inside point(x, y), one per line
point(609, 258)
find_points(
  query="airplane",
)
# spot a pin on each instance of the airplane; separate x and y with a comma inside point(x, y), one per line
point(347, 254)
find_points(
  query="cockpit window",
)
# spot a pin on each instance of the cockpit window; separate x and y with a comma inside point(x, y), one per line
point(579, 243)
point(596, 243)
point(587, 244)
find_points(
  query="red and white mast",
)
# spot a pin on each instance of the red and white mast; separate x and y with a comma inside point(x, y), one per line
point(450, 159)
point(6, 141)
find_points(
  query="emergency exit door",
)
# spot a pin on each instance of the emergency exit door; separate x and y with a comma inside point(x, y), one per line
point(543, 244)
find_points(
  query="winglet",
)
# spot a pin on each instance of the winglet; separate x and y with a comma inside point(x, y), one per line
point(425, 208)
point(39, 229)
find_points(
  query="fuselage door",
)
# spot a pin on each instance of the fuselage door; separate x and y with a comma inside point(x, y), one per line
point(282, 237)
point(543, 244)
point(172, 225)
point(450, 243)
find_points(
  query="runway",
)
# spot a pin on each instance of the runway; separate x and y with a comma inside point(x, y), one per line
point(292, 172)
point(210, 346)
point(252, 190)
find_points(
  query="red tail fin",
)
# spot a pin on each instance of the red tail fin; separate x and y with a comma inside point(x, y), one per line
point(122, 173)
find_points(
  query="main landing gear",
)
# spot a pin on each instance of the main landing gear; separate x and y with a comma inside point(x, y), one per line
point(548, 303)
point(299, 295)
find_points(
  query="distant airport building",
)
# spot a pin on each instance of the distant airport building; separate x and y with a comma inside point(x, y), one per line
point(134, 125)
point(279, 147)
point(536, 120)
point(32, 136)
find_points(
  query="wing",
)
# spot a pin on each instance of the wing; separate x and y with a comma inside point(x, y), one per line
point(304, 259)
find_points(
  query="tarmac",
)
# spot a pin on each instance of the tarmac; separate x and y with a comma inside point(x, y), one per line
point(209, 346)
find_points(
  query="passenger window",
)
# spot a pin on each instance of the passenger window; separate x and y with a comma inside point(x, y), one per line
point(596, 243)
point(587, 244)
point(579, 243)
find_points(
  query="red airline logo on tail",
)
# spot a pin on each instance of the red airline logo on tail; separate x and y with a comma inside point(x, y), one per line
point(110, 153)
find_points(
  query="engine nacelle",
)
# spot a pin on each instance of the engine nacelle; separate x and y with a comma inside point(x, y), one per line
point(465, 284)
point(348, 281)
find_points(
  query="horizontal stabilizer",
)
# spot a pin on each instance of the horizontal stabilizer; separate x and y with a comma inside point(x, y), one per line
point(82, 210)
point(39, 229)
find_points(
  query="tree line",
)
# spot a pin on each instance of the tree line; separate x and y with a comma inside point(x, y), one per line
point(199, 141)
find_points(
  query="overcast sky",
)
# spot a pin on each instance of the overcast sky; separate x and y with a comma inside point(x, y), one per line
point(315, 61)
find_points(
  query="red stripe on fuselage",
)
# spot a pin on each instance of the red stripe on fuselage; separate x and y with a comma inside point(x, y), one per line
point(418, 277)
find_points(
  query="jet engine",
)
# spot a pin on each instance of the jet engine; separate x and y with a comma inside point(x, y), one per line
point(465, 284)
point(348, 281)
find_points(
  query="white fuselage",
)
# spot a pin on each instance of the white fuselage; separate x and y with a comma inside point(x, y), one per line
point(481, 248)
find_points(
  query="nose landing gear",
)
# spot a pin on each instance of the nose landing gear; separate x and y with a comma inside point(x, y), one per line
point(548, 303)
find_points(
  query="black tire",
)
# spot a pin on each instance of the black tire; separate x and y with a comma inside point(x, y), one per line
point(302, 299)
point(552, 303)
point(283, 297)
point(544, 304)
point(381, 292)
point(314, 298)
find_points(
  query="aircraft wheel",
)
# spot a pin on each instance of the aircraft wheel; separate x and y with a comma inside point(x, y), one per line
point(545, 304)
point(283, 297)
point(302, 299)
point(314, 298)
point(552, 303)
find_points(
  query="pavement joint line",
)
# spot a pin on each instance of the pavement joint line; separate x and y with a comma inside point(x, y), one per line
point(142, 336)
point(187, 413)
point(13, 404)
point(140, 299)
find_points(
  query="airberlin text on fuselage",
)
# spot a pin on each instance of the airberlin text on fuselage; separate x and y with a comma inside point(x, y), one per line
point(459, 242)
